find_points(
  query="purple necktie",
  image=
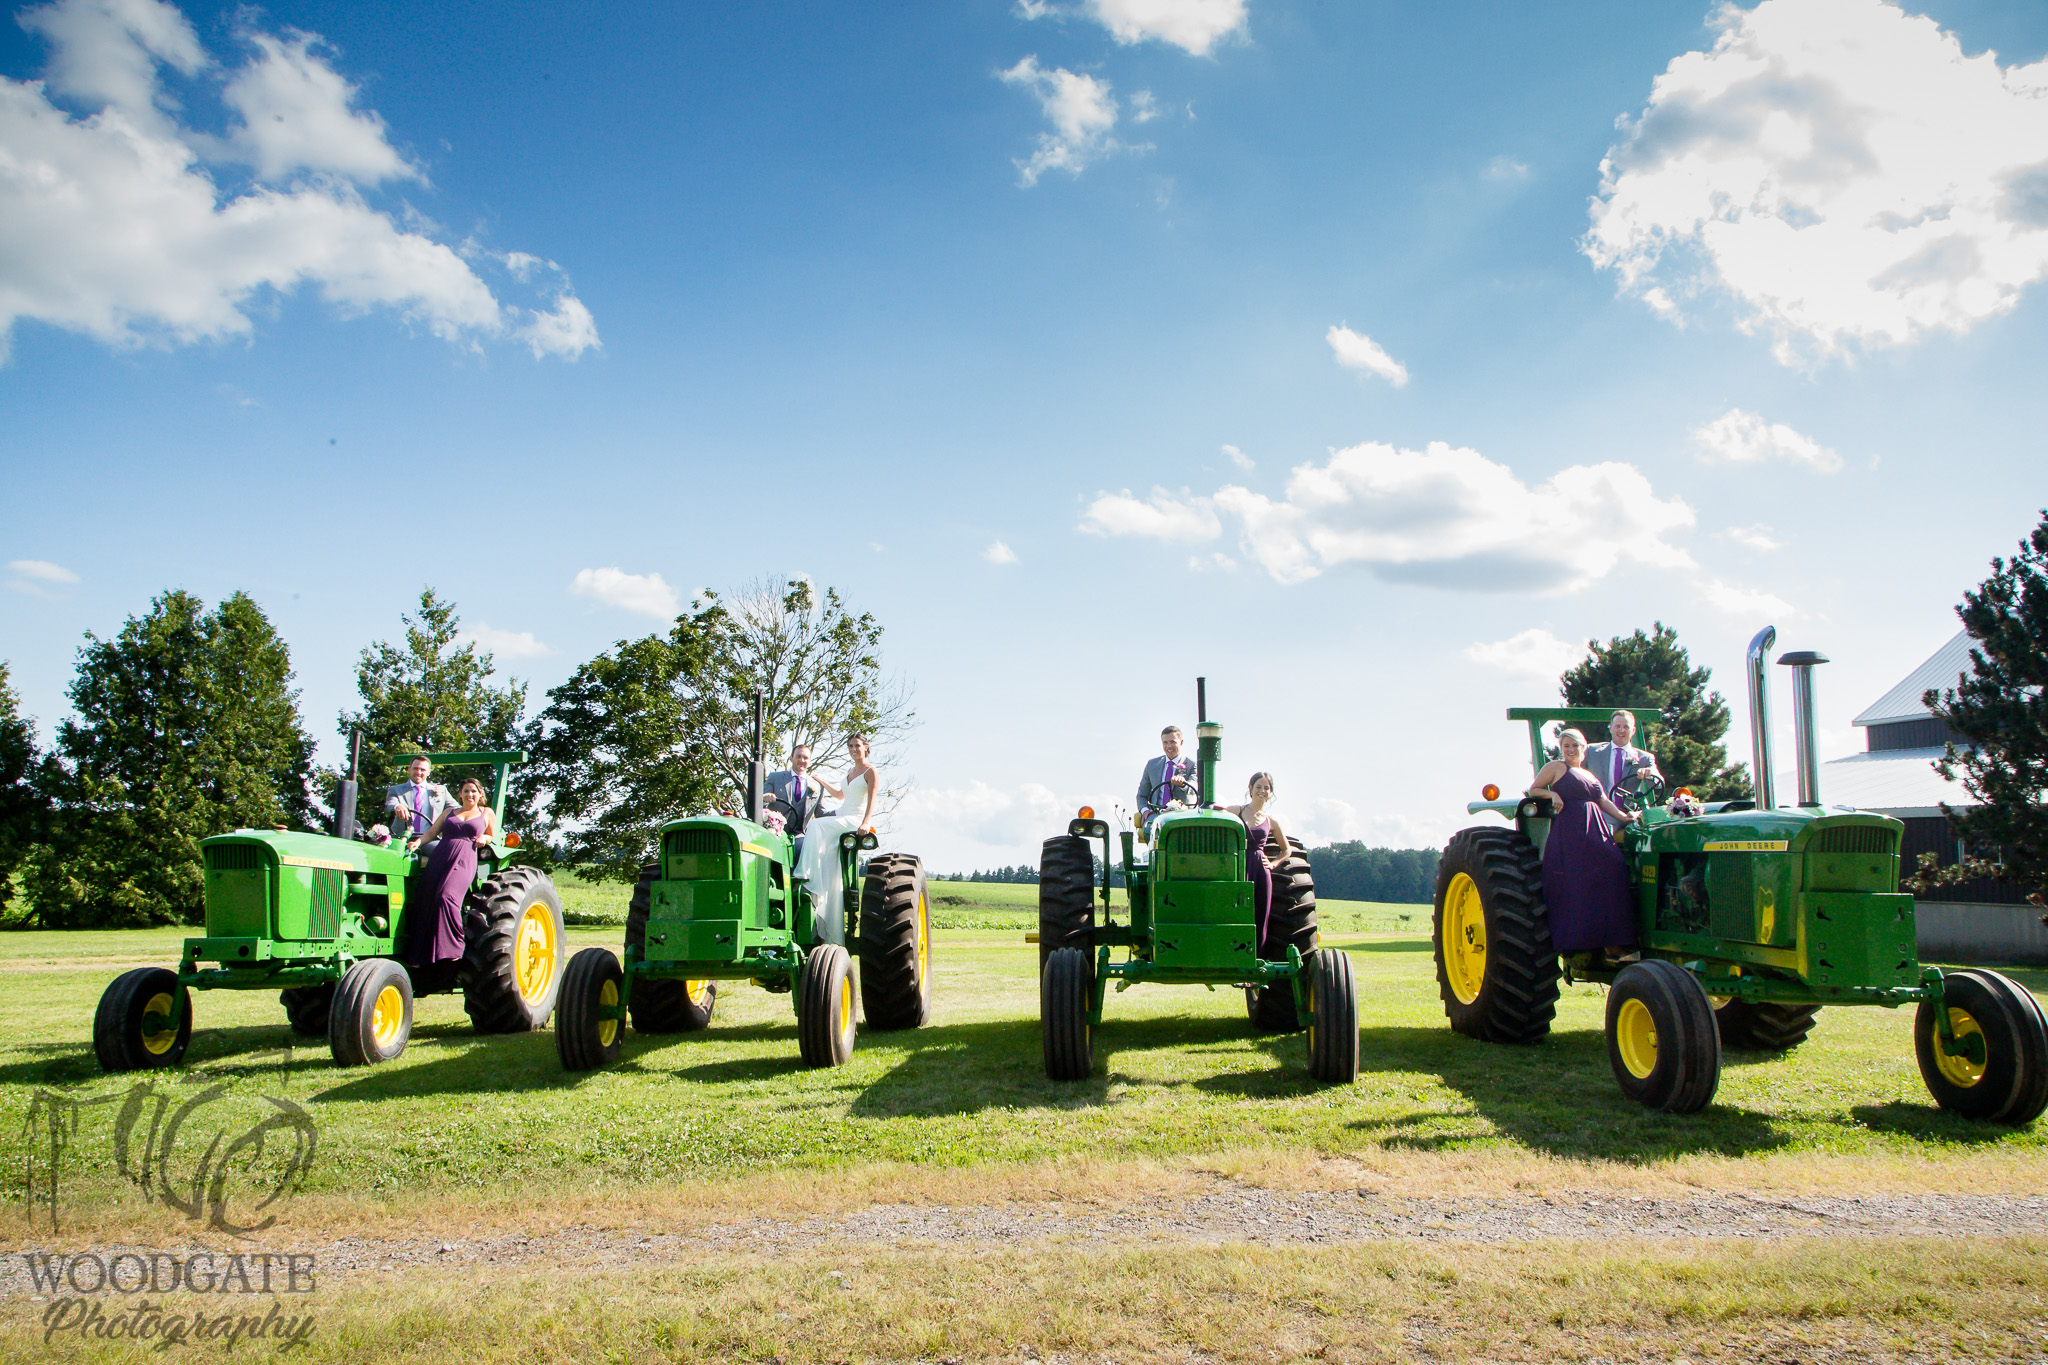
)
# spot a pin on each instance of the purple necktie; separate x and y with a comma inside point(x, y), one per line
point(1620, 758)
point(419, 809)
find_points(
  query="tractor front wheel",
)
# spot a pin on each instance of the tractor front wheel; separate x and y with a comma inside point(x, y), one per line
point(824, 1007)
point(895, 943)
point(305, 1007)
point(1064, 990)
point(1332, 1019)
point(585, 1036)
point(663, 1004)
point(1495, 967)
point(1998, 1069)
point(512, 964)
point(132, 1029)
point(1291, 924)
point(1764, 1025)
point(1066, 897)
point(1661, 1039)
point(371, 1019)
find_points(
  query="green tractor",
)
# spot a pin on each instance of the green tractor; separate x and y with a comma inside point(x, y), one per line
point(1751, 916)
point(1192, 922)
point(719, 904)
point(324, 921)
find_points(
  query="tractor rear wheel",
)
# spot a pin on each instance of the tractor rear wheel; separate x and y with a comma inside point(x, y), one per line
point(670, 1005)
point(1495, 967)
point(1764, 1025)
point(371, 1019)
point(131, 1029)
point(824, 1007)
point(1291, 924)
point(1065, 987)
point(1661, 1039)
point(512, 964)
point(2001, 1073)
point(306, 1008)
point(895, 943)
point(1066, 896)
point(584, 1037)
point(1332, 1018)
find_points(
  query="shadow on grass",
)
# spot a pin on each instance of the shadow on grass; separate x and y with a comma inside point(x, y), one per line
point(1929, 1122)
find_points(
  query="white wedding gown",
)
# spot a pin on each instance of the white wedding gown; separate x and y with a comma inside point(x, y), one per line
point(818, 868)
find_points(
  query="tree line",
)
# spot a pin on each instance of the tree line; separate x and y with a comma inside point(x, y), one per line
point(186, 724)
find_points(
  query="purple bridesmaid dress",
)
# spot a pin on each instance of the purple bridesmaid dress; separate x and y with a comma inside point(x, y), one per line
point(451, 867)
point(1585, 877)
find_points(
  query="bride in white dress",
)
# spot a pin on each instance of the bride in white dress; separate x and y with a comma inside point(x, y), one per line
point(818, 867)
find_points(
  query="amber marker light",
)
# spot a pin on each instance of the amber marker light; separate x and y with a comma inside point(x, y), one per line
point(1683, 791)
point(1490, 792)
point(512, 841)
point(1087, 812)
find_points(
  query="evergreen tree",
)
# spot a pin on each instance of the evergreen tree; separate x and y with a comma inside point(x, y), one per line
point(1652, 670)
point(23, 803)
point(432, 691)
point(186, 727)
point(2000, 707)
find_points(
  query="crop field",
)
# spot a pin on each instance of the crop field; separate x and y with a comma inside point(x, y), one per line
point(468, 1138)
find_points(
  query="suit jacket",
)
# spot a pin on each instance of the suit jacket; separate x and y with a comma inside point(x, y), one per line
point(804, 799)
point(1600, 763)
point(438, 800)
point(1150, 797)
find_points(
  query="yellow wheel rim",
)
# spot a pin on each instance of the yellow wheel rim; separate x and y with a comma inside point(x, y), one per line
point(1464, 939)
point(699, 993)
point(846, 1005)
point(162, 1036)
point(608, 1029)
point(1311, 995)
point(387, 1016)
point(1635, 1035)
point(1960, 1071)
point(534, 952)
point(924, 938)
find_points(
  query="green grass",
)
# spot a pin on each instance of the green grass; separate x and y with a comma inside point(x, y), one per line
point(1179, 1071)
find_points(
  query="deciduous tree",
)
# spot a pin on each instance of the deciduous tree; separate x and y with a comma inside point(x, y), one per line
point(1654, 670)
point(23, 802)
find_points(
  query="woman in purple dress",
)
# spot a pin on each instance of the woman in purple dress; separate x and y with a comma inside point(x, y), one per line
point(451, 866)
point(1585, 877)
point(1260, 827)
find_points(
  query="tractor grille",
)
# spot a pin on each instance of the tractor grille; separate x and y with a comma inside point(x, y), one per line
point(323, 912)
point(1855, 839)
point(1211, 839)
point(235, 858)
point(687, 841)
point(699, 855)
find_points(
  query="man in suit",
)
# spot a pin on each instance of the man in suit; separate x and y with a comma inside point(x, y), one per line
point(414, 804)
point(1619, 765)
point(1169, 780)
point(793, 788)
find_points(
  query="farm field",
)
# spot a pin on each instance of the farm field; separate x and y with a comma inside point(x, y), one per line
point(709, 1199)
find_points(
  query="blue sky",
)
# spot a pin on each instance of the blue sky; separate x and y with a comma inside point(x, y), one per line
point(1362, 358)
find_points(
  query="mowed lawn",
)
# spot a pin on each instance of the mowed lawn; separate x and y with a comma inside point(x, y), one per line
point(1179, 1071)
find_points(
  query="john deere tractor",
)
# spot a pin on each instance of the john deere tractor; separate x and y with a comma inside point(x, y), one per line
point(324, 921)
point(1192, 922)
point(719, 904)
point(1751, 916)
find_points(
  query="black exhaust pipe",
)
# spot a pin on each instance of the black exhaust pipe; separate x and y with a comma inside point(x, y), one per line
point(754, 767)
point(345, 793)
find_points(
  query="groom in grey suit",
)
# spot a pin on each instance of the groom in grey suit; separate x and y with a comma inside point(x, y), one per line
point(415, 803)
point(800, 793)
point(1618, 764)
point(1168, 777)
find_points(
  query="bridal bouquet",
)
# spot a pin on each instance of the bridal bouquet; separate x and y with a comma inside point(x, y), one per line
point(1684, 805)
point(773, 822)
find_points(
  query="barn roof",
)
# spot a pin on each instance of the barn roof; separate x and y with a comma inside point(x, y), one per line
point(1947, 664)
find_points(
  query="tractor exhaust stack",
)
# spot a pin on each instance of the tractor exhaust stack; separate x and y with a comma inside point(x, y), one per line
point(1208, 743)
point(754, 766)
point(345, 791)
point(1760, 715)
point(1805, 737)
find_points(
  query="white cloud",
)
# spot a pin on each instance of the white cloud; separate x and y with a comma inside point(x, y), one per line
point(999, 553)
point(1507, 168)
point(1355, 351)
point(1757, 537)
point(1327, 820)
point(1441, 517)
point(1002, 818)
point(1738, 437)
point(1082, 112)
point(1839, 167)
point(1144, 107)
point(39, 578)
point(1194, 26)
point(505, 644)
point(646, 594)
point(1750, 604)
point(1535, 653)
point(114, 224)
point(1239, 458)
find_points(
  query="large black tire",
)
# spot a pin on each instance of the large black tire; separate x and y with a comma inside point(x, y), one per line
point(1064, 987)
point(127, 1028)
point(305, 1007)
point(1661, 1040)
point(1333, 1019)
point(1292, 924)
point(663, 1006)
point(824, 1007)
point(371, 1018)
point(1066, 896)
point(512, 959)
point(1764, 1025)
point(1495, 967)
point(2010, 1083)
point(895, 943)
point(584, 1038)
